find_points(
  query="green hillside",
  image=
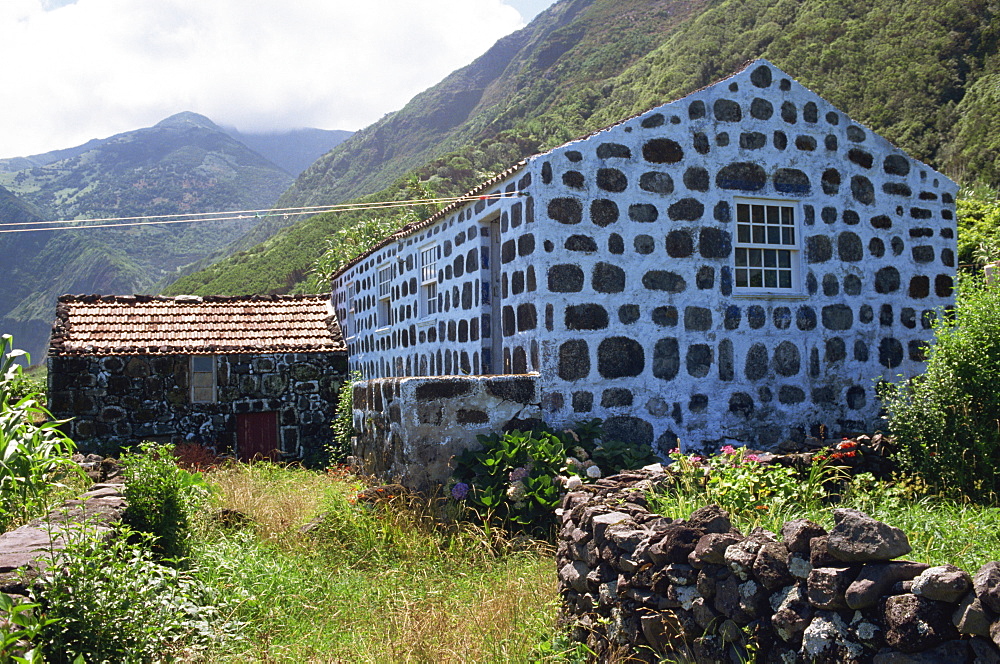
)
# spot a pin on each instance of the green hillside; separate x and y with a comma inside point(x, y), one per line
point(923, 73)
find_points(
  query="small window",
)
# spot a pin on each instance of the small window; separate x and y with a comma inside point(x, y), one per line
point(767, 247)
point(384, 296)
point(428, 281)
point(350, 325)
point(202, 379)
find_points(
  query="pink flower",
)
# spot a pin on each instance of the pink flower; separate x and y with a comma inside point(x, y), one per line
point(695, 459)
point(728, 449)
point(753, 457)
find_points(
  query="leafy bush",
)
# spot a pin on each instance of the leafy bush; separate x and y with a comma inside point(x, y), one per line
point(343, 424)
point(947, 420)
point(34, 453)
point(112, 602)
point(161, 497)
point(19, 631)
point(519, 477)
point(978, 228)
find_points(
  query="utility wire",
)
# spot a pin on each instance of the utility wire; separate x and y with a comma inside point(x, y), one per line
point(235, 215)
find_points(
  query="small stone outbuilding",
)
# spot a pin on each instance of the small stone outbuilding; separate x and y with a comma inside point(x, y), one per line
point(254, 376)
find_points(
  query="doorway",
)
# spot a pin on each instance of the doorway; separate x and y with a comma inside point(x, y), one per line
point(257, 436)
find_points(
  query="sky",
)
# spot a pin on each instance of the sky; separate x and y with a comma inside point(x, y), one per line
point(82, 69)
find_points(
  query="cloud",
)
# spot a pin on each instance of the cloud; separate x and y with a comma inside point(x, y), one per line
point(93, 68)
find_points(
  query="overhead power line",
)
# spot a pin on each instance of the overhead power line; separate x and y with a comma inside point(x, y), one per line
point(232, 215)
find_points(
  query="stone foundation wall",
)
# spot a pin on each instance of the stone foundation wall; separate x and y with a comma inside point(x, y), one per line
point(119, 400)
point(638, 585)
point(408, 429)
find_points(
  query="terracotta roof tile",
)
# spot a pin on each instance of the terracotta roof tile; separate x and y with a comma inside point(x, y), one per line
point(120, 325)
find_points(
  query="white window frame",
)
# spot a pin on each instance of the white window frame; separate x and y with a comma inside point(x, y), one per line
point(198, 393)
point(428, 281)
point(350, 324)
point(767, 247)
point(383, 313)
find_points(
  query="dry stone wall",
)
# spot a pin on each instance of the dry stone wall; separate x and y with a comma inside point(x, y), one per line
point(123, 399)
point(638, 585)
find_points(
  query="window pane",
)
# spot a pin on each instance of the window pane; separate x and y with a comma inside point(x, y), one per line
point(787, 216)
point(784, 258)
point(758, 214)
point(785, 279)
point(756, 279)
point(743, 233)
point(787, 236)
point(773, 235)
point(742, 213)
point(202, 363)
point(755, 257)
point(770, 279)
point(758, 235)
point(770, 258)
point(199, 379)
point(202, 394)
point(741, 278)
point(772, 214)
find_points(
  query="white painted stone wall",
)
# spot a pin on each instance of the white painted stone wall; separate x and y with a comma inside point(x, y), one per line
point(617, 274)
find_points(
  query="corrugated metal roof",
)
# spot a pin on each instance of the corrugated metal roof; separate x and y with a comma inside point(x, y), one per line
point(142, 324)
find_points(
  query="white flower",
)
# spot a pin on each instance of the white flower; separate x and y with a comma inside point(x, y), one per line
point(594, 472)
point(573, 482)
point(516, 491)
point(573, 463)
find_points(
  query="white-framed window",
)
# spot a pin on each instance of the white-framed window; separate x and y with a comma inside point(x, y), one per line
point(202, 378)
point(349, 324)
point(384, 313)
point(767, 250)
point(428, 281)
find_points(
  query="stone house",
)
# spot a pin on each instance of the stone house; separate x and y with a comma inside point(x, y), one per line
point(255, 375)
point(737, 266)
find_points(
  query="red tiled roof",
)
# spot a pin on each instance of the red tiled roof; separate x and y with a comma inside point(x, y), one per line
point(145, 324)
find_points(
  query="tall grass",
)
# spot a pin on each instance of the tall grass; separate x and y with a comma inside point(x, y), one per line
point(388, 582)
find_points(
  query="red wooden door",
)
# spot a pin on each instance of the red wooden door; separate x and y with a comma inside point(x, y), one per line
point(257, 436)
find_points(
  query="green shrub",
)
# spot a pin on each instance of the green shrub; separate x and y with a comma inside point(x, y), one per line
point(19, 631)
point(947, 420)
point(518, 478)
point(343, 424)
point(161, 497)
point(34, 453)
point(112, 602)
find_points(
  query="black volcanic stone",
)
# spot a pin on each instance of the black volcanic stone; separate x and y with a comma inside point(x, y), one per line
point(805, 318)
point(705, 278)
point(574, 360)
point(881, 222)
point(699, 360)
point(653, 121)
point(756, 362)
point(887, 280)
point(948, 257)
point(780, 140)
point(756, 316)
point(583, 243)
point(741, 403)
point(838, 317)
point(830, 181)
point(836, 350)
point(742, 176)
point(761, 109)
point(791, 181)
point(665, 316)
point(890, 353)
point(860, 157)
point(860, 351)
point(943, 285)
point(573, 179)
point(849, 247)
point(629, 429)
point(876, 247)
point(620, 357)
point(663, 280)
point(819, 249)
point(657, 183)
point(920, 286)
point(897, 189)
point(714, 243)
point(885, 316)
point(644, 244)
point(866, 314)
point(603, 212)
point(565, 278)
point(789, 394)
point(696, 110)
point(862, 189)
point(679, 244)
point(700, 143)
point(731, 318)
point(852, 285)
point(855, 134)
point(908, 317)
point(527, 317)
point(917, 350)
point(583, 402)
point(727, 366)
point(608, 278)
point(761, 76)
point(574, 155)
point(643, 212)
point(546, 173)
point(823, 394)
point(698, 403)
point(810, 113)
point(752, 140)
point(566, 210)
point(613, 150)
point(727, 110)
point(851, 218)
point(721, 213)
point(829, 215)
point(586, 317)
point(788, 112)
point(628, 313)
point(686, 209)
point(856, 398)
point(830, 142)
point(611, 179)
point(616, 397)
point(896, 164)
point(831, 285)
point(782, 318)
point(698, 319)
point(805, 143)
point(615, 244)
point(786, 361)
point(666, 358)
point(662, 151)
point(696, 178)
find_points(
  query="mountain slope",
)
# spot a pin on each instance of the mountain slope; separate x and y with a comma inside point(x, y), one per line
point(923, 74)
point(295, 150)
